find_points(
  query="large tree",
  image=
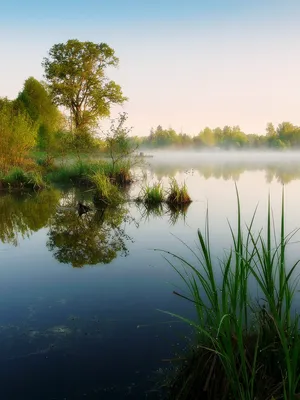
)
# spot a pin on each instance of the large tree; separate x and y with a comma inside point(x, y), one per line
point(75, 72)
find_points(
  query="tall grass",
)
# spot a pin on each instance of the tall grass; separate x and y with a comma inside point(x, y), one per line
point(178, 194)
point(106, 192)
point(152, 195)
point(246, 348)
point(74, 173)
point(17, 178)
point(79, 172)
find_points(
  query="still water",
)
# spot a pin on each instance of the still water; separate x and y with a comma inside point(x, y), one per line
point(81, 296)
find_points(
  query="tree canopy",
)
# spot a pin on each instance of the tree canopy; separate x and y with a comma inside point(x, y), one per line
point(36, 101)
point(75, 72)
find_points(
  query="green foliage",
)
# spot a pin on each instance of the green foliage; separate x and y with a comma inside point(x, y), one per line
point(120, 148)
point(106, 192)
point(75, 72)
point(152, 195)
point(17, 136)
point(36, 102)
point(245, 349)
point(17, 178)
point(286, 135)
point(178, 194)
point(77, 172)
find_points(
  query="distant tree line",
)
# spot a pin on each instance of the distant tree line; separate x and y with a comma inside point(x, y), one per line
point(286, 135)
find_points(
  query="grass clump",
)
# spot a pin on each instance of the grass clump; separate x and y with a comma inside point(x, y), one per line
point(80, 172)
point(178, 194)
point(19, 179)
point(246, 348)
point(106, 192)
point(75, 173)
point(118, 173)
point(152, 195)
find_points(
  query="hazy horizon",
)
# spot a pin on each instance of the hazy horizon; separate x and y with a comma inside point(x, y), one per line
point(186, 66)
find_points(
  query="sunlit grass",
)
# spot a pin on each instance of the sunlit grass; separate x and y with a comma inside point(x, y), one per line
point(17, 178)
point(178, 194)
point(106, 192)
point(152, 195)
point(246, 348)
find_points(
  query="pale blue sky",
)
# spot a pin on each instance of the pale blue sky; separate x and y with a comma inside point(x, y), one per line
point(185, 64)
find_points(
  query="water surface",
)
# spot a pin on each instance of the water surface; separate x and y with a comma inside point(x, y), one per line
point(80, 295)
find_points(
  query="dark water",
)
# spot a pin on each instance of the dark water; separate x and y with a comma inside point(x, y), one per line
point(80, 296)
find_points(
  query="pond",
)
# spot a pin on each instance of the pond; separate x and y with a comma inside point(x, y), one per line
point(82, 296)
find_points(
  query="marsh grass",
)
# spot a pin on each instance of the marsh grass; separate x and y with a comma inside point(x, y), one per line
point(19, 179)
point(77, 172)
point(106, 192)
point(152, 195)
point(245, 348)
point(177, 194)
point(80, 171)
point(119, 173)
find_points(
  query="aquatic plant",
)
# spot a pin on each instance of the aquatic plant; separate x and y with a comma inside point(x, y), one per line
point(119, 173)
point(106, 192)
point(245, 348)
point(152, 195)
point(178, 194)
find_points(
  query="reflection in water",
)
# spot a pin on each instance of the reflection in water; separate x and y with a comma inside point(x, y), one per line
point(174, 212)
point(87, 239)
point(281, 172)
point(23, 214)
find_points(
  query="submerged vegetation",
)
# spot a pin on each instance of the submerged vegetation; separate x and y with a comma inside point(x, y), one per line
point(245, 348)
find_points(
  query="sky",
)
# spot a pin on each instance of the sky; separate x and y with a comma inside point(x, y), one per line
point(183, 64)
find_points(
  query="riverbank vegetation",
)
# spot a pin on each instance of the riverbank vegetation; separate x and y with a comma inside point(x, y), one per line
point(40, 143)
point(245, 347)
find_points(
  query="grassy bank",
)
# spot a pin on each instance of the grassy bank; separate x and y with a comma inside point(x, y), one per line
point(76, 173)
point(246, 348)
point(18, 179)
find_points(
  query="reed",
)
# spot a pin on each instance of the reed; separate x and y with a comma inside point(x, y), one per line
point(245, 348)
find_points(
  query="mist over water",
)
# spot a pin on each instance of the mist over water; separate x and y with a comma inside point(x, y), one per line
point(190, 158)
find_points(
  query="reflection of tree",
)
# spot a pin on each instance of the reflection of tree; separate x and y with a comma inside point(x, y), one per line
point(95, 237)
point(283, 172)
point(22, 214)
